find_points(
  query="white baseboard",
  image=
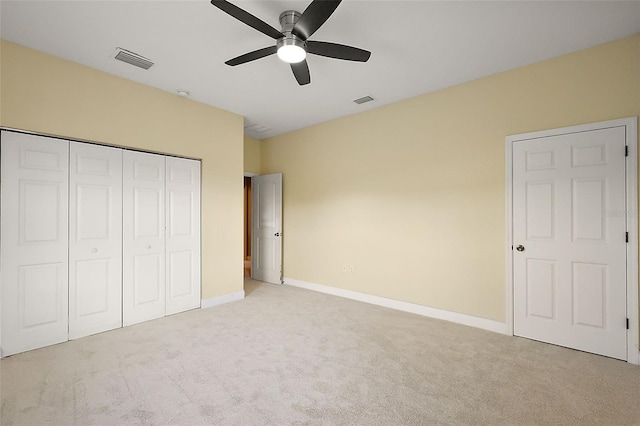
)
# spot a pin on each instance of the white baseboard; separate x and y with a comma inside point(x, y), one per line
point(483, 323)
point(221, 300)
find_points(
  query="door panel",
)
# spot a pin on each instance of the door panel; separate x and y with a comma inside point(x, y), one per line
point(92, 289)
point(180, 209)
point(589, 289)
point(539, 210)
point(143, 237)
point(541, 288)
point(148, 214)
point(266, 254)
point(588, 210)
point(93, 210)
point(267, 228)
point(570, 279)
point(183, 234)
point(180, 273)
point(37, 201)
point(34, 244)
point(37, 294)
point(95, 239)
point(147, 279)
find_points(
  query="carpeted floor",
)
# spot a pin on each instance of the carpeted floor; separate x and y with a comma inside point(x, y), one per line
point(285, 355)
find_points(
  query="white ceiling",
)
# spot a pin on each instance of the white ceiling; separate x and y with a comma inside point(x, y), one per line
point(417, 47)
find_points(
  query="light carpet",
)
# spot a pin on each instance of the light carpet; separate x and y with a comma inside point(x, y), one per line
point(286, 355)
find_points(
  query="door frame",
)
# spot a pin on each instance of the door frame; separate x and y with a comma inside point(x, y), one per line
point(631, 177)
point(247, 213)
point(249, 224)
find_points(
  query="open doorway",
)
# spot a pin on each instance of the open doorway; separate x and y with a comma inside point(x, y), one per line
point(247, 226)
point(263, 227)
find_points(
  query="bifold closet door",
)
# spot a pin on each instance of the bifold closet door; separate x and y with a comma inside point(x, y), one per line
point(143, 237)
point(95, 239)
point(183, 234)
point(34, 247)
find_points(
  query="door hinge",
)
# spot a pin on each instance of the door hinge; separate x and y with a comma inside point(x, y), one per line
point(627, 323)
point(626, 150)
point(626, 236)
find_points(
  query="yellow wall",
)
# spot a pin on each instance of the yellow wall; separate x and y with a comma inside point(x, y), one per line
point(45, 94)
point(412, 195)
point(251, 155)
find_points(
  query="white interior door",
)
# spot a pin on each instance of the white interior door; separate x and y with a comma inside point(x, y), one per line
point(143, 237)
point(266, 256)
point(95, 239)
point(183, 234)
point(34, 244)
point(569, 228)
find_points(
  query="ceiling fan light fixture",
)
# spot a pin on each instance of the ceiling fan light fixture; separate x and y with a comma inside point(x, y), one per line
point(292, 54)
point(291, 50)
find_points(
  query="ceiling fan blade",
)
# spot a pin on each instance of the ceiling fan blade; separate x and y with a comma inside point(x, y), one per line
point(301, 72)
point(247, 18)
point(252, 56)
point(338, 51)
point(313, 17)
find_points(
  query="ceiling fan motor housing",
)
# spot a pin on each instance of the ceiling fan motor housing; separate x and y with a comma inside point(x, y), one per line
point(288, 19)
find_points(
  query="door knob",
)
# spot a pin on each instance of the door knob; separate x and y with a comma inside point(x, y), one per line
point(520, 248)
point(278, 234)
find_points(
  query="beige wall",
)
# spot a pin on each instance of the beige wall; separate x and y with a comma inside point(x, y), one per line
point(412, 195)
point(251, 155)
point(49, 95)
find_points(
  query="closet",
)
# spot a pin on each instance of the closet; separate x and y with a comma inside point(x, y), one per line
point(93, 238)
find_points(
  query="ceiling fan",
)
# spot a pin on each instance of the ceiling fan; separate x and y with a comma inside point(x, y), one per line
point(292, 42)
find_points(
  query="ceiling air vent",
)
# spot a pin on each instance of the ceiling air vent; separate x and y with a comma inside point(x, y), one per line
point(133, 59)
point(257, 128)
point(363, 100)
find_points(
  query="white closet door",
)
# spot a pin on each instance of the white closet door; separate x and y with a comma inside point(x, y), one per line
point(95, 239)
point(34, 244)
point(183, 234)
point(143, 237)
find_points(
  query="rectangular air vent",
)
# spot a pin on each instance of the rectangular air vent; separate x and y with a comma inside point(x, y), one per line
point(133, 59)
point(257, 128)
point(363, 100)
